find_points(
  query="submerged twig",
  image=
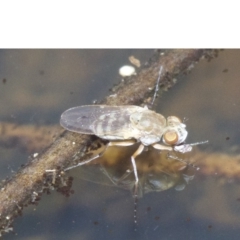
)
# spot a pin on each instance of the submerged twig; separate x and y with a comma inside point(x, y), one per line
point(28, 138)
point(24, 187)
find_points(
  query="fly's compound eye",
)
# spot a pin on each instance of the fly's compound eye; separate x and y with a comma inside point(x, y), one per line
point(170, 137)
point(176, 135)
point(174, 121)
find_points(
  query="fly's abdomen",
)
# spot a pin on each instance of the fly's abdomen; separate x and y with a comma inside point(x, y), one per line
point(113, 126)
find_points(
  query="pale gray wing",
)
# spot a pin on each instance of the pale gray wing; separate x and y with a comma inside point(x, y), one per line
point(100, 120)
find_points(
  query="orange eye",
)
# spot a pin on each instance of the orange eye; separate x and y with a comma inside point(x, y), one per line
point(170, 137)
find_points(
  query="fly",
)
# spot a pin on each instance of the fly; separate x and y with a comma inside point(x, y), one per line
point(126, 125)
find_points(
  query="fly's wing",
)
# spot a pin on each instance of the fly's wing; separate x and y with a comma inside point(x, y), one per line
point(107, 122)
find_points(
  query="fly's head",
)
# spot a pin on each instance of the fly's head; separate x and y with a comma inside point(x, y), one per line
point(175, 132)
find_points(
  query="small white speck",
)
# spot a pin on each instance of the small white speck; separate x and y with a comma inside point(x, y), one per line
point(50, 170)
point(35, 155)
point(126, 71)
point(113, 95)
point(73, 143)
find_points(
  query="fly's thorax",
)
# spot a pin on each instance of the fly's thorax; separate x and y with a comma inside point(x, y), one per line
point(175, 131)
point(148, 140)
point(149, 122)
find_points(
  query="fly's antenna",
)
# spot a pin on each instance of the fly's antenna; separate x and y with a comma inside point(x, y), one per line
point(183, 161)
point(157, 86)
point(183, 148)
point(198, 143)
point(185, 119)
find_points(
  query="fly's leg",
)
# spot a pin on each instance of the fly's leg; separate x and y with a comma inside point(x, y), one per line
point(136, 153)
point(116, 182)
point(183, 161)
point(162, 147)
point(135, 189)
point(104, 171)
point(120, 143)
point(187, 147)
point(86, 161)
point(168, 148)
